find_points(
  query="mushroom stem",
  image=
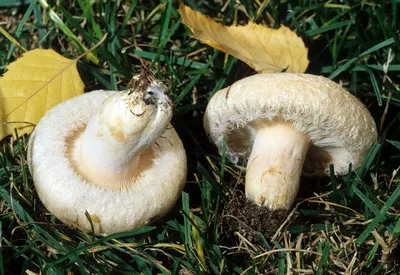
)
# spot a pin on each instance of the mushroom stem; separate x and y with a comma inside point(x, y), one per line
point(275, 165)
point(107, 153)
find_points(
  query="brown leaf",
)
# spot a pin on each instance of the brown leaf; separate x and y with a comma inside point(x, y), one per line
point(262, 48)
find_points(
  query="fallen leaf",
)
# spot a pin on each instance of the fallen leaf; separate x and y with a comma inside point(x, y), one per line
point(33, 84)
point(262, 48)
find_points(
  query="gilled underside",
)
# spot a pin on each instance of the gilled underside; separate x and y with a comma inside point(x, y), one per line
point(112, 155)
point(241, 141)
point(278, 154)
point(119, 142)
point(117, 181)
point(312, 105)
point(286, 124)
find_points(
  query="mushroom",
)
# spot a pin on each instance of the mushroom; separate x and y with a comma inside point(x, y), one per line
point(286, 124)
point(112, 155)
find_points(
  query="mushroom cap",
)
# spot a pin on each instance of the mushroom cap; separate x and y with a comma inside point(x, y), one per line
point(68, 196)
point(339, 126)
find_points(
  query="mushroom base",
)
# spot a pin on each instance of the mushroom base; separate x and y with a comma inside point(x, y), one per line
point(275, 165)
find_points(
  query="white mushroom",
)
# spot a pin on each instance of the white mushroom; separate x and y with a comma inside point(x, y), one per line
point(287, 123)
point(112, 154)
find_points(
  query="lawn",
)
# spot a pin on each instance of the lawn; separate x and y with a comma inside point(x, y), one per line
point(338, 224)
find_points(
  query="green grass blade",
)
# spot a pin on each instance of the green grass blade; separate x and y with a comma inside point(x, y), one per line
point(394, 143)
point(396, 230)
point(372, 254)
point(392, 199)
point(367, 202)
point(358, 68)
point(376, 87)
point(349, 63)
point(187, 89)
point(38, 17)
point(138, 231)
point(57, 20)
point(71, 20)
point(179, 61)
point(188, 242)
point(368, 160)
point(15, 205)
point(86, 7)
point(323, 263)
point(21, 25)
point(328, 28)
point(14, 3)
point(165, 24)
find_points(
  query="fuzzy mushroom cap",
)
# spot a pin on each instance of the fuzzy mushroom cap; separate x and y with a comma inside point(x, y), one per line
point(154, 189)
point(339, 126)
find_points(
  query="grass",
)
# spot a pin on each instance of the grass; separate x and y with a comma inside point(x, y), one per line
point(347, 224)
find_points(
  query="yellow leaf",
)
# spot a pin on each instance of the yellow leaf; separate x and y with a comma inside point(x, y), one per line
point(262, 48)
point(33, 84)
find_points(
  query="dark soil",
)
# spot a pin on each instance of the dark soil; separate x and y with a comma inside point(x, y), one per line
point(247, 218)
